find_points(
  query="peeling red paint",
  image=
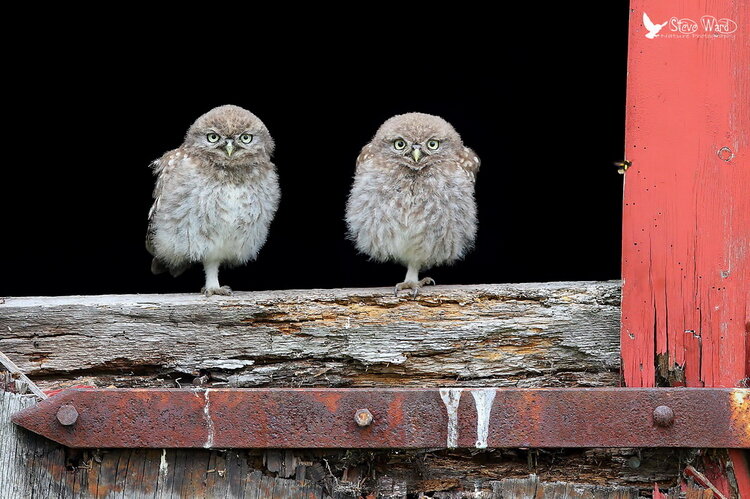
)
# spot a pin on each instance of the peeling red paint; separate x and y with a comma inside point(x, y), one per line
point(686, 217)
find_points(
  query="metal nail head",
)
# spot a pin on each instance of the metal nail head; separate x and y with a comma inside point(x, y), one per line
point(663, 416)
point(725, 154)
point(67, 415)
point(363, 417)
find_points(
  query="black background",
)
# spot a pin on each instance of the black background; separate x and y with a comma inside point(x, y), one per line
point(540, 96)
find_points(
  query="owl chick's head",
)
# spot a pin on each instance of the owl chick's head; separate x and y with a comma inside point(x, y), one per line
point(230, 136)
point(417, 140)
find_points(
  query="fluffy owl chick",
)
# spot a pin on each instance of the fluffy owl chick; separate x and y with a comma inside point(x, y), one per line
point(413, 196)
point(215, 196)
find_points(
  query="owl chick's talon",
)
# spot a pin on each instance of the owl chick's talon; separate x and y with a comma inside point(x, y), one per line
point(415, 286)
point(405, 285)
point(224, 291)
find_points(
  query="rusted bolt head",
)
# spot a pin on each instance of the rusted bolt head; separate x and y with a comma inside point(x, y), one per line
point(363, 417)
point(663, 416)
point(67, 415)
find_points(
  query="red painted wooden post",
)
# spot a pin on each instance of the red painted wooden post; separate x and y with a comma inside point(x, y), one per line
point(686, 226)
point(686, 219)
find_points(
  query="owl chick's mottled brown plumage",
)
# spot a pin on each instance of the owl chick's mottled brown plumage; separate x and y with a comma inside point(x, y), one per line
point(215, 196)
point(413, 196)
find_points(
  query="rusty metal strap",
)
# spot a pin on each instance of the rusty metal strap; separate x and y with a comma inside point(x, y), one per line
point(394, 418)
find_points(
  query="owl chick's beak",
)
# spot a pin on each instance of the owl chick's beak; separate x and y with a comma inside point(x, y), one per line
point(416, 153)
point(229, 148)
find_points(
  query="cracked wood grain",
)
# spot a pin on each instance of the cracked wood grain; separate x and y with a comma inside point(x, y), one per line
point(526, 335)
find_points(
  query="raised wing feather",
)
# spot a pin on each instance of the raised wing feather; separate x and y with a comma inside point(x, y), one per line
point(364, 155)
point(469, 162)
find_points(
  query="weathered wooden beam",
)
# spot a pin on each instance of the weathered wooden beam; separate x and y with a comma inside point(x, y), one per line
point(525, 335)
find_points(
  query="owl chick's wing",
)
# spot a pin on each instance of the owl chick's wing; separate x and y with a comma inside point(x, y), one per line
point(163, 168)
point(469, 162)
point(364, 156)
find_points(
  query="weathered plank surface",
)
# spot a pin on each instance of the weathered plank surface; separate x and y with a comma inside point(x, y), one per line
point(31, 466)
point(525, 335)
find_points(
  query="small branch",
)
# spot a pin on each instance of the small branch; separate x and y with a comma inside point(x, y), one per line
point(17, 373)
point(702, 480)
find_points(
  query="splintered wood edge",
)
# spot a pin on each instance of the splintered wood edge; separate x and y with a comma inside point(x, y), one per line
point(318, 294)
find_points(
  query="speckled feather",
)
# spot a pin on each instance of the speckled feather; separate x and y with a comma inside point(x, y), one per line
point(418, 213)
point(210, 206)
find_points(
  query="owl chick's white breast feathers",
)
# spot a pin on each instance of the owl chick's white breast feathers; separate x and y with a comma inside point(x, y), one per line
point(215, 196)
point(412, 200)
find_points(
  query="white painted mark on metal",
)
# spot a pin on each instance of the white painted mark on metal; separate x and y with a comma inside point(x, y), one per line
point(483, 399)
point(209, 423)
point(451, 397)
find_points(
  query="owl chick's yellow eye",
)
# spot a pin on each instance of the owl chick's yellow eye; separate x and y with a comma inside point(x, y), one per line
point(246, 138)
point(212, 137)
point(433, 144)
point(399, 144)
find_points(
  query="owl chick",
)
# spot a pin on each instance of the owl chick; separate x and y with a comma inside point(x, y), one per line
point(413, 196)
point(215, 196)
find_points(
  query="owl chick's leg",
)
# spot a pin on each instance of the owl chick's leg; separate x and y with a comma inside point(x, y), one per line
point(212, 286)
point(411, 281)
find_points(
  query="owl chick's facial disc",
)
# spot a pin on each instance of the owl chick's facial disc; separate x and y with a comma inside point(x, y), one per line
point(416, 140)
point(230, 135)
